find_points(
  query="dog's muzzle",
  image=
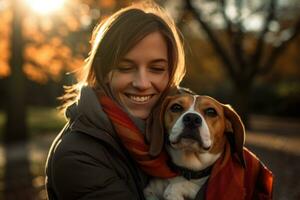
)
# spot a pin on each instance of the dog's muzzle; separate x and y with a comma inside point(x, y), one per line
point(192, 122)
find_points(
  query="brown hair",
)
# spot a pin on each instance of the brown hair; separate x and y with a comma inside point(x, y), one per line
point(115, 36)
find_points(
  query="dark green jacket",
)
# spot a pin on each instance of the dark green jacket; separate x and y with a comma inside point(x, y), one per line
point(86, 160)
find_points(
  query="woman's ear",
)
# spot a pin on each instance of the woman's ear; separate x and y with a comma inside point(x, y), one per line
point(234, 125)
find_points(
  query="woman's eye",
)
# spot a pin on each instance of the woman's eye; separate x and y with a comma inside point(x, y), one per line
point(176, 108)
point(211, 112)
point(125, 68)
point(158, 69)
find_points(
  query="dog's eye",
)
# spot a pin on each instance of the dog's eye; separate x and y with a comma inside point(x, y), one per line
point(211, 112)
point(176, 108)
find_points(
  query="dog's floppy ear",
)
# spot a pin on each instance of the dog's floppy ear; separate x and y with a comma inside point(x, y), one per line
point(155, 127)
point(235, 126)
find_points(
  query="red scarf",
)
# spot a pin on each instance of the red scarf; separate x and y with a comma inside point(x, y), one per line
point(229, 180)
point(134, 141)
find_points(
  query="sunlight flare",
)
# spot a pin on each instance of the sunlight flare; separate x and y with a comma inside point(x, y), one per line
point(45, 7)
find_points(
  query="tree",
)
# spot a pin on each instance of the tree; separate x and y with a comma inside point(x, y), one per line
point(16, 128)
point(267, 42)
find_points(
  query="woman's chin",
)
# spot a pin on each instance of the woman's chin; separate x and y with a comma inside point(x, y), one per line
point(138, 109)
point(140, 114)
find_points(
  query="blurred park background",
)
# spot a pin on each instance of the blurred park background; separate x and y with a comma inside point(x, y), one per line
point(242, 52)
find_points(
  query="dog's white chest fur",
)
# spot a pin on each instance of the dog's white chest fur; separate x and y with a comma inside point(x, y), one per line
point(177, 188)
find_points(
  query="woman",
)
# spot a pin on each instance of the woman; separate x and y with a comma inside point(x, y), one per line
point(112, 139)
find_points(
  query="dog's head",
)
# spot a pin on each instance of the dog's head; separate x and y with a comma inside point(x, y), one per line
point(199, 124)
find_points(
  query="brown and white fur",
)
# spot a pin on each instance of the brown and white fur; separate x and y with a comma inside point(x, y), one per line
point(196, 128)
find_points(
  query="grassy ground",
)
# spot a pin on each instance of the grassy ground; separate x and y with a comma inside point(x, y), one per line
point(40, 120)
point(44, 123)
point(45, 120)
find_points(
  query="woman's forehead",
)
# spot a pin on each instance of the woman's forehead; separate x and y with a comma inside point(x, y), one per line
point(152, 48)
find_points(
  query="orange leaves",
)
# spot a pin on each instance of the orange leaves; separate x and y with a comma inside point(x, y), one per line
point(49, 60)
point(4, 69)
point(107, 3)
point(4, 56)
point(5, 16)
point(41, 56)
point(55, 43)
point(34, 73)
point(47, 52)
point(71, 22)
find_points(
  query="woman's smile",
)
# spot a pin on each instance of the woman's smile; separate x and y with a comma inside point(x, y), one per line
point(141, 99)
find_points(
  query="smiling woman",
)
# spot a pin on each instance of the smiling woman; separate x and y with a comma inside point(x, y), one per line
point(113, 139)
point(46, 6)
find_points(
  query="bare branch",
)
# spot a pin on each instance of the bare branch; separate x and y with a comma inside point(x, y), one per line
point(238, 39)
point(233, 32)
point(260, 43)
point(214, 40)
point(246, 16)
point(295, 31)
point(228, 22)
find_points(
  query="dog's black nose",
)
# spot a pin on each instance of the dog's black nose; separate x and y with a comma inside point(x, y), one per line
point(192, 120)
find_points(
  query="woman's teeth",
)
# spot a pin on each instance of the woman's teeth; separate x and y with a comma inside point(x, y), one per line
point(140, 98)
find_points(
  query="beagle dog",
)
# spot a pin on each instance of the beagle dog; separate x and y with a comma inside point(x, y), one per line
point(197, 129)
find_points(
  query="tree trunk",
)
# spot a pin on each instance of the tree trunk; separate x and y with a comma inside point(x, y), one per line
point(17, 176)
point(16, 128)
point(241, 101)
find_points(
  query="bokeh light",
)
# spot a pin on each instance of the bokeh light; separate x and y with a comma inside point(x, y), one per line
point(45, 7)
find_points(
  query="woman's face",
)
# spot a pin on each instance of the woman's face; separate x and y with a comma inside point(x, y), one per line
point(142, 75)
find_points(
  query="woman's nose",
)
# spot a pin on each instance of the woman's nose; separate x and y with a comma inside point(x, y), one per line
point(141, 81)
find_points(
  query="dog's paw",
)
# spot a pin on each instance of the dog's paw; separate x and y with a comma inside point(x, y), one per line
point(180, 189)
point(172, 197)
point(150, 195)
point(171, 194)
point(151, 198)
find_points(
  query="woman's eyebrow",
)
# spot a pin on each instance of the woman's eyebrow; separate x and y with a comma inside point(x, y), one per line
point(159, 60)
point(127, 60)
